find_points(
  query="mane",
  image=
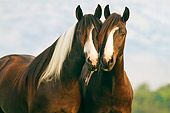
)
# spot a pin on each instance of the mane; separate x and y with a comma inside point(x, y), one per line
point(47, 65)
point(107, 26)
point(62, 49)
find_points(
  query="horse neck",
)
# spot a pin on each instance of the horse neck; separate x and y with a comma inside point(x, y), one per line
point(118, 74)
point(73, 64)
point(118, 69)
point(115, 77)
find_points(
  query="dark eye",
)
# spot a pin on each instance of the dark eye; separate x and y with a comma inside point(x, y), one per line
point(123, 34)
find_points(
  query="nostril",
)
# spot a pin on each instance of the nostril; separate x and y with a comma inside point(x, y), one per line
point(111, 60)
point(93, 68)
point(88, 60)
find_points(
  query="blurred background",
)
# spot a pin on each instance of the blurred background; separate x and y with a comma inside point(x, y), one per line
point(29, 27)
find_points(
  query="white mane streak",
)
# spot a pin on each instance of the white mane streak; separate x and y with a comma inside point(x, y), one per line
point(63, 47)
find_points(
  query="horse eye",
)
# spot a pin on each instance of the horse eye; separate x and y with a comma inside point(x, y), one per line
point(123, 34)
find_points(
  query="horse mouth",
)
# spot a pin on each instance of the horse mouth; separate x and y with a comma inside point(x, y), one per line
point(92, 68)
point(107, 68)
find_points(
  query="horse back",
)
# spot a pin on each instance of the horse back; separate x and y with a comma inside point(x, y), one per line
point(11, 67)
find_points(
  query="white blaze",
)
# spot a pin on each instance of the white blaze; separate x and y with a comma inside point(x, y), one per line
point(109, 49)
point(90, 49)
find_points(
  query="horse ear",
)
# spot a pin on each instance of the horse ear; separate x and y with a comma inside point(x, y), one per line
point(79, 13)
point(98, 11)
point(126, 14)
point(106, 11)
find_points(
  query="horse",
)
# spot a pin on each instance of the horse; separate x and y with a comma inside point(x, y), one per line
point(108, 90)
point(48, 83)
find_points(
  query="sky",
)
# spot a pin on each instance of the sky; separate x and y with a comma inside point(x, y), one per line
point(29, 27)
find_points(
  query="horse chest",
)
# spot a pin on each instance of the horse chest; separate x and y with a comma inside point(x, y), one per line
point(120, 101)
point(110, 106)
point(57, 100)
point(108, 101)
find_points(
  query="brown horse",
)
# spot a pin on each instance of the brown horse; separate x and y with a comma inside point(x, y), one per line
point(48, 83)
point(108, 90)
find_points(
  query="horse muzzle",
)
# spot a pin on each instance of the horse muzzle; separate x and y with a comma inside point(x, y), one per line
point(107, 65)
point(92, 64)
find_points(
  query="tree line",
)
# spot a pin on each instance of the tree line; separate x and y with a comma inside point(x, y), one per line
point(148, 101)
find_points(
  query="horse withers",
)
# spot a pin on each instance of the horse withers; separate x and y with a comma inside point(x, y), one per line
point(108, 89)
point(48, 83)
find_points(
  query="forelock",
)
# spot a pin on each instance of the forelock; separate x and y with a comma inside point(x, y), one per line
point(86, 23)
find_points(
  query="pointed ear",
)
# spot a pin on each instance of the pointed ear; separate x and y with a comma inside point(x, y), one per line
point(106, 11)
point(126, 14)
point(98, 11)
point(79, 13)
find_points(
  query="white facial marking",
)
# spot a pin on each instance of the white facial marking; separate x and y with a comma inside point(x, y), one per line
point(90, 50)
point(108, 50)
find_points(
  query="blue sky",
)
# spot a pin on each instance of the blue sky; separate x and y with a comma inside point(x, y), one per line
point(29, 27)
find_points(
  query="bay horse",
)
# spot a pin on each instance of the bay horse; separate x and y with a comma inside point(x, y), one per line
point(48, 83)
point(108, 89)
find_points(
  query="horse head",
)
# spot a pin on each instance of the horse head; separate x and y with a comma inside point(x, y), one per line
point(87, 30)
point(113, 35)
